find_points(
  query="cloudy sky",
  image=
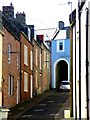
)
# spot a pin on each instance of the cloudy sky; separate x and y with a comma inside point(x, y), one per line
point(42, 13)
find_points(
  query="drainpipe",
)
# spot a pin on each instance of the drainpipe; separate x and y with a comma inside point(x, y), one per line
point(33, 66)
point(79, 13)
point(71, 72)
point(87, 82)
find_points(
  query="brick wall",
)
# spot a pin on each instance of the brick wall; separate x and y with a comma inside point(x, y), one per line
point(37, 76)
point(10, 100)
point(24, 68)
point(45, 69)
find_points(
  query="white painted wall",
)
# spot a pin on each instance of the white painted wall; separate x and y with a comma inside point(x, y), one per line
point(77, 59)
point(83, 60)
point(89, 55)
point(74, 70)
point(83, 64)
point(77, 71)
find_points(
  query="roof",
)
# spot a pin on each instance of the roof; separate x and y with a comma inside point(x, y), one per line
point(20, 26)
point(62, 34)
point(10, 27)
point(15, 27)
point(48, 33)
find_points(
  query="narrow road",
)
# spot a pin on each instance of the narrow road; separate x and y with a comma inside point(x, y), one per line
point(47, 108)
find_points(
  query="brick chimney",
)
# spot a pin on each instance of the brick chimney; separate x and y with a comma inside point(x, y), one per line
point(40, 39)
point(21, 17)
point(8, 11)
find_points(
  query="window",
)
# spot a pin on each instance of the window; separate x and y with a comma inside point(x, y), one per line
point(25, 55)
point(60, 46)
point(25, 82)
point(18, 61)
point(44, 60)
point(31, 60)
point(36, 80)
point(9, 53)
point(29, 34)
point(10, 85)
point(48, 62)
point(36, 56)
point(40, 61)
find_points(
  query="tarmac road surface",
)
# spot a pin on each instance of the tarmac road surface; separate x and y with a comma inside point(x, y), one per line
point(47, 108)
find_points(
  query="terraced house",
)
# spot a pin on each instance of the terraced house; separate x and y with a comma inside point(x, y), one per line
point(23, 56)
point(80, 37)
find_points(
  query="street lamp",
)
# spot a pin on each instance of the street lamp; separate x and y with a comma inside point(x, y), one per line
point(71, 8)
point(68, 3)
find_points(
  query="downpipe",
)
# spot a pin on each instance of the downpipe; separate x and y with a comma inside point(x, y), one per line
point(87, 64)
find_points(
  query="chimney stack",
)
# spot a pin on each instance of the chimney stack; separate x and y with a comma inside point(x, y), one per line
point(60, 25)
point(21, 17)
point(9, 11)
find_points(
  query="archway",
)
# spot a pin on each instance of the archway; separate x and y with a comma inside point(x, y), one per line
point(58, 62)
point(61, 72)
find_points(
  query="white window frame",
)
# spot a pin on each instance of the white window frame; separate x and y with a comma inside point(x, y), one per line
point(36, 80)
point(31, 60)
point(9, 53)
point(25, 55)
point(25, 82)
point(10, 85)
point(40, 61)
point(18, 60)
point(36, 56)
point(44, 59)
point(48, 62)
point(58, 45)
point(29, 34)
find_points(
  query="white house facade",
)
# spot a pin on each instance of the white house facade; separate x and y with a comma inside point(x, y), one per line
point(81, 60)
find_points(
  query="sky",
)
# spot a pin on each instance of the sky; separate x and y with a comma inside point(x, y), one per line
point(42, 13)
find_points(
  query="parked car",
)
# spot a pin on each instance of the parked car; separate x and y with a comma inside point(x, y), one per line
point(65, 86)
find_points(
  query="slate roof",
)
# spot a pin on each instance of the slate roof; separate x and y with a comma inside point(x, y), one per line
point(10, 27)
point(15, 27)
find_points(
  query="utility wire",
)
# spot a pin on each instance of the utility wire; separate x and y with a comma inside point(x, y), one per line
point(28, 17)
point(2, 3)
point(37, 21)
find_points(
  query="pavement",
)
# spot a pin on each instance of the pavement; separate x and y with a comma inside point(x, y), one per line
point(64, 111)
point(21, 108)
